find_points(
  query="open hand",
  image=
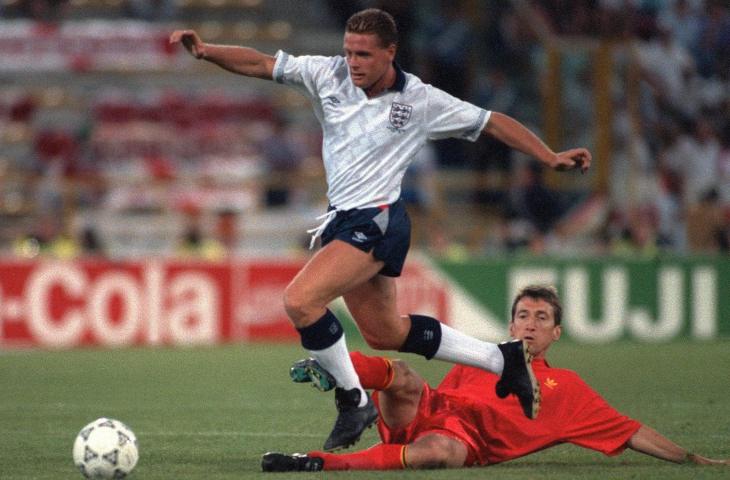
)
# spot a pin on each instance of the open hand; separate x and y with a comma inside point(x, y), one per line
point(190, 40)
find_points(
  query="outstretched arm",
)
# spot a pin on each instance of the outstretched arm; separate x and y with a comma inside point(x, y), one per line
point(650, 442)
point(242, 60)
point(514, 134)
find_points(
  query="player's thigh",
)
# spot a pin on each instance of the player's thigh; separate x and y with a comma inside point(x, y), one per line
point(331, 272)
point(436, 450)
point(373, 305)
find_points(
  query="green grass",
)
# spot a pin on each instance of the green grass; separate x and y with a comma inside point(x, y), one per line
point(210, 413)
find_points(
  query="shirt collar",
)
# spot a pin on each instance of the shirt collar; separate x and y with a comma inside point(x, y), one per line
point(541, 360)
point(400, 79)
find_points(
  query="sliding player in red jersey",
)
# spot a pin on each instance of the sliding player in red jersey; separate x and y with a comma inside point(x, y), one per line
point(462, 422)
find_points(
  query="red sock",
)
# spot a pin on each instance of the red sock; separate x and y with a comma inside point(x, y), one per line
point(383, 456)
point(374, 372)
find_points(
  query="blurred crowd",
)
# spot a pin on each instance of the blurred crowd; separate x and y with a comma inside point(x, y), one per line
point(55, 10)
point(215, 159)
point(669, 182)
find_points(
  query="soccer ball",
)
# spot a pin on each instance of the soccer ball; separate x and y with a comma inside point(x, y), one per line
point(105, 449)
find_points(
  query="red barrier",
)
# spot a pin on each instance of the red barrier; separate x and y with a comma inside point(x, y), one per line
point(164, 302)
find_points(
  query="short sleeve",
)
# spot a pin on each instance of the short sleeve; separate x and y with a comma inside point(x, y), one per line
point(306, 72)
point(449, 117)
point(597, 425)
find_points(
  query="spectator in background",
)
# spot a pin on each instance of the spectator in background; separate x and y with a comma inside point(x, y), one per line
point(57, 154)
point(724, 233)
point(90, 243)
point(531, 200)
point(705, 223)
point(494, 88)
point(712, 52)
point(343, 9)
point(150, 10)
point(531, 210)
point(682, 19)
point(283, 162)
point(419, 192)
point(194, 243)
point(214, 243)
point(638, 236)
point(511, 43)
point(671, 215)
point(227, 229)
point(418, 188)
point(723, 161)
point(666, 66)
point(700, 165)
point(569, 17)
point(50, 11)
point(51, 238)
point(692, 157)
point(447, 57)
point(404, 13)
point(615, 18)
point(447, 53)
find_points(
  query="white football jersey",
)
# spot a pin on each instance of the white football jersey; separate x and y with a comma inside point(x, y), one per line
point(369, 142)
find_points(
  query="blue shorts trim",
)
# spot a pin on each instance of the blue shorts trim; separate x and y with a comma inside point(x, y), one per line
point(385, 231)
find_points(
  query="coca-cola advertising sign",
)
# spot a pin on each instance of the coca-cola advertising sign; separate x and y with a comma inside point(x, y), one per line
point(158, 302)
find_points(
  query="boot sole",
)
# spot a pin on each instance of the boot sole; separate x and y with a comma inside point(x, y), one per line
point(304, 373)
point(533, 381)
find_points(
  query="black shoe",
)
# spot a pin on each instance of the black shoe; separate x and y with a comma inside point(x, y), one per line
point(518, 377)
point(351, 419)
point(296, 462)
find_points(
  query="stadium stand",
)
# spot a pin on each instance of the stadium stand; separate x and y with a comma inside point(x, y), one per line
point(113, 133)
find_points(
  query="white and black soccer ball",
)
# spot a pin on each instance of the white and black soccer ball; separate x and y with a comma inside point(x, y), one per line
point(105, 449)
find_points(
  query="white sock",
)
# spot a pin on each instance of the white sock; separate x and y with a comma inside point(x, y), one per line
point(457, 347)
point(336, 360)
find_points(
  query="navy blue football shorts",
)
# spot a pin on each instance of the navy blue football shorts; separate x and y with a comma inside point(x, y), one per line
point(385, 231)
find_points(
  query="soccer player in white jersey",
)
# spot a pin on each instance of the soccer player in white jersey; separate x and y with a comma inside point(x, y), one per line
point(375, 118)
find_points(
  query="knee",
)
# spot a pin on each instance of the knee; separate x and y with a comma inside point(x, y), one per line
point(299, 306)
point(406, 382)
point(439, 456)
point(293, 302)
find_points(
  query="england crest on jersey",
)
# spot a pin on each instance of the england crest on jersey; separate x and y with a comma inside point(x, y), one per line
point(400, 114)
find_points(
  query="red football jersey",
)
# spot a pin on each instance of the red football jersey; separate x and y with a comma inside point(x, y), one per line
point(465, 406)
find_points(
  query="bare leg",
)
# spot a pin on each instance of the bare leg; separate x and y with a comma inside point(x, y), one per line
point(330, 273)
point(373, 306)
point(334, 270)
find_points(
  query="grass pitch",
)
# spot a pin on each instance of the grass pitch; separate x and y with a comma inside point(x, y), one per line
point(210, 413)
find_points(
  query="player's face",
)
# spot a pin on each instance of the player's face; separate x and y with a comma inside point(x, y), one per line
point(534, 322)
point(368, 60)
